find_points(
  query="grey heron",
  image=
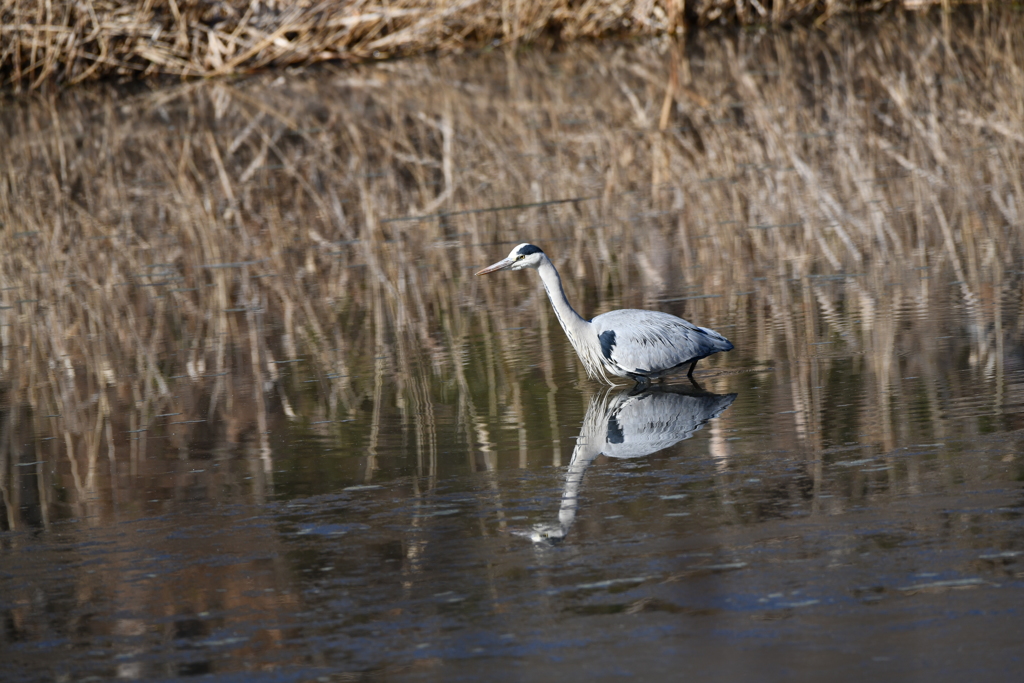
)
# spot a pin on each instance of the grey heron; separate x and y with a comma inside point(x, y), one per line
point(640, 345)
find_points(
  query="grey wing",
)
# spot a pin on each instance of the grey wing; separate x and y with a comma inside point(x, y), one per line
point(649, 342)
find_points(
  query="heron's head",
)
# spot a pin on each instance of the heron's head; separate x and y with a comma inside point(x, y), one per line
point(523, 256)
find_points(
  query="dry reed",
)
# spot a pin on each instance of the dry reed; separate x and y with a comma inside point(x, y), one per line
point(239, 254)
point(67, 41)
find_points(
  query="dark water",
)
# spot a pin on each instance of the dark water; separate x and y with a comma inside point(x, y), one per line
point(840, 498)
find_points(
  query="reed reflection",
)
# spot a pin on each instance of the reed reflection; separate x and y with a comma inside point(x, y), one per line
point(630, 424)
point(285, 272)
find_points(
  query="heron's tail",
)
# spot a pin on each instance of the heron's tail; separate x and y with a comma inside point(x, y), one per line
point(721, 343)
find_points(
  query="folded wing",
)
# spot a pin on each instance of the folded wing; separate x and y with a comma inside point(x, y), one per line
point(650, 343)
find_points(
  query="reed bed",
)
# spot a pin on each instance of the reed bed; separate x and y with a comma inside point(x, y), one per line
point(70, 41)
point(298, 248)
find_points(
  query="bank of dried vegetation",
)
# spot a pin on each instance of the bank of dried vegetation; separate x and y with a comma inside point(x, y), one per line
point(69, 41)
point(242, 252)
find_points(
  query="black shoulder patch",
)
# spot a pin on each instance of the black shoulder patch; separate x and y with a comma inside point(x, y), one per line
point(615, 431)
point(607, 340)
point(528, 249)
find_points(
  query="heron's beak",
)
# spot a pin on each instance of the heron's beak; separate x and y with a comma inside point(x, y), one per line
point(500, 265)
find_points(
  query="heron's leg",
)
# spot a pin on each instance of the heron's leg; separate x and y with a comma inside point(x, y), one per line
point(642, 384)
point(692, 366)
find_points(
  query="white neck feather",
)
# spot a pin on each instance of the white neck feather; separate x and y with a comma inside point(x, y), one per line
point(576, 328)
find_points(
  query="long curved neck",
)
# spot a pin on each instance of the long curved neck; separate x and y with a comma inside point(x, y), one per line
point(571, 321)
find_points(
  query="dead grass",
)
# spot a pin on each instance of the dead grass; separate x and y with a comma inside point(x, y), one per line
point(175, 251)
point(69, 41)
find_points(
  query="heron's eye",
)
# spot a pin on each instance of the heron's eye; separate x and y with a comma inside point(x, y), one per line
point(520, 257)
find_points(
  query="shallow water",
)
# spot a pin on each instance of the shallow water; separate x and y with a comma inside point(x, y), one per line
point(426, 486)
point(730, 550)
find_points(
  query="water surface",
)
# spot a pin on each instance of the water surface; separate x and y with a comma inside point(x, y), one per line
point(259, 421)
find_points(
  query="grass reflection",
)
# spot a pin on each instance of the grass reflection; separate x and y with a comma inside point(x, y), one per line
point(223, 269)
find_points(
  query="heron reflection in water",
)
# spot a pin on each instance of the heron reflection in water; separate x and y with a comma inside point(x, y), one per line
point(630, 425)
point(640, 345)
